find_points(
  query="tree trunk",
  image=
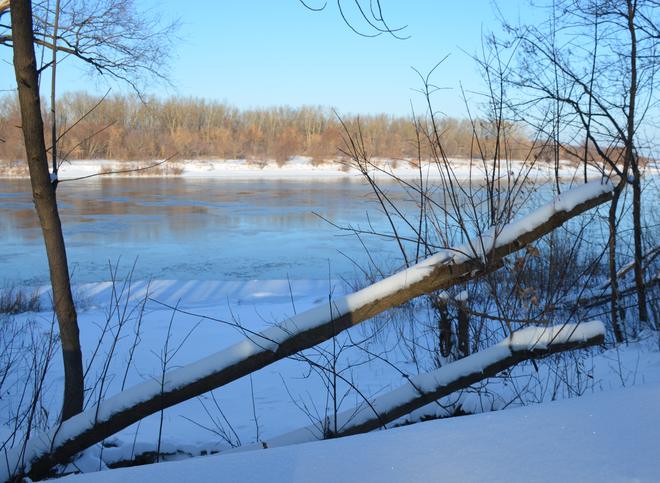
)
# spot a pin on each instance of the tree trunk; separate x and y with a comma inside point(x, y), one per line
point(444, 326)
point(422, 389)
point(43, 194)
point(463, 329)
point(633, 162)
point(614, 282)
point(637, 234)
point(426, 388)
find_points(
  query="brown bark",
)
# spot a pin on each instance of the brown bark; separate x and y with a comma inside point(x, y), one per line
point(633, 161)
point(619, 335)
point(444, 326)
point(442, 275)
point(462, 381)
point(463, 329)
point(45, 202)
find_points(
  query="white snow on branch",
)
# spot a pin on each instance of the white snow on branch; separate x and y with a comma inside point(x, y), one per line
point(525, 340)
point(503, 235)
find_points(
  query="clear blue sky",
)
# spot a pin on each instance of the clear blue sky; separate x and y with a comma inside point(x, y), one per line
point(262, 53)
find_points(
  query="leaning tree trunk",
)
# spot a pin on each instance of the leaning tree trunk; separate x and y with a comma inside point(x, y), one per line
point(422, 389)
point(526, 344)
point(43, 194)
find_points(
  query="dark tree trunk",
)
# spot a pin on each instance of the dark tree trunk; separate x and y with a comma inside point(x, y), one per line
point(632, 161)
point(639, 255)
point(444, 327)
point(463, 329)
point(614, 282)
point(43, 194)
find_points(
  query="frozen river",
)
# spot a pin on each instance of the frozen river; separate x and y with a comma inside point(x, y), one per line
point(206, 229)
point(190, 229)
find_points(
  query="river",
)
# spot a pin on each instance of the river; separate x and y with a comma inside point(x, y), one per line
point(191, 229)
point(202, 229)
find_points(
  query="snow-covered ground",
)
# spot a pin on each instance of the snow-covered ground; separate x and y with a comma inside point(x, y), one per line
point(287, 395)
point(294, 168)
point(609, 436)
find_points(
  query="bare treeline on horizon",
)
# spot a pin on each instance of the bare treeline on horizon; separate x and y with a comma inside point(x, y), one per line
point(123, 127)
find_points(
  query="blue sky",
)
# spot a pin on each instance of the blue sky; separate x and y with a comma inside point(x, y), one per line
point(255, 53)
point(263, 53)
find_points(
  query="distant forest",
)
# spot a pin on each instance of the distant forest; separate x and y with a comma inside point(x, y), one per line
point(124, 127)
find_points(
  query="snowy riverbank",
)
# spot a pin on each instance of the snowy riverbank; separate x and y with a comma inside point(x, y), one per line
point(296, 168)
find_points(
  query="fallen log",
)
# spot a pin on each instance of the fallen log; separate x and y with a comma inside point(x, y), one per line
point(440, 271)
point(422, 389)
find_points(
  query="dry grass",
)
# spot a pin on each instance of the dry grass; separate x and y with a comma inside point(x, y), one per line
point(15, 300)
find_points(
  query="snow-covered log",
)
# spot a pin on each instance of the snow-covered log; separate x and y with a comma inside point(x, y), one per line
point(420, 390)
point(440, 271)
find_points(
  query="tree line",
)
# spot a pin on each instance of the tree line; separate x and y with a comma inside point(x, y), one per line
point(126, 127)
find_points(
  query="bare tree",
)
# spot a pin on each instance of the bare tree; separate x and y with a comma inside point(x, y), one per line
point(114, 39)
point(43, 192)
point(593, 69)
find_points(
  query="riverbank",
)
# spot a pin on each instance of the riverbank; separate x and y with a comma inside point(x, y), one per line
point(296, 168)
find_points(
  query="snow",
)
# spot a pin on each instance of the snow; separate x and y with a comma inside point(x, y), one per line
point(462, 296)
point(503, 235)
point(609, 436)
point(636, 363)
point(299, 167)
point(541, 337)
point(526, 339)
